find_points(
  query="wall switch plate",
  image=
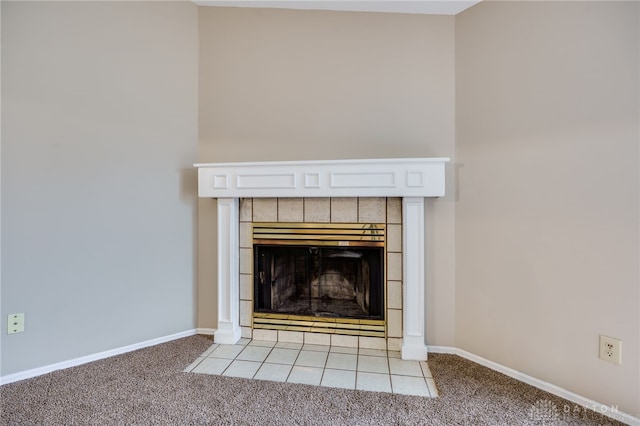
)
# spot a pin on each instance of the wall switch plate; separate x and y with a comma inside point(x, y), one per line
point(15, 323)
point(611, 349)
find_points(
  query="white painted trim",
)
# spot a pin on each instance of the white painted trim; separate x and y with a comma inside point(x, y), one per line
point(450, 350)
point(413, 330)
point(28, 374)
point(395, 177)
point(228, 331)
point(206, 331)
point(540, 384)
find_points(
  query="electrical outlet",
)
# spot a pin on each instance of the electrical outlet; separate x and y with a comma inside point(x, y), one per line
point(611, 349)
point(15, 323)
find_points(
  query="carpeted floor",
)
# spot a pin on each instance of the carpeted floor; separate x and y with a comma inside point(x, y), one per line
point(148, 387)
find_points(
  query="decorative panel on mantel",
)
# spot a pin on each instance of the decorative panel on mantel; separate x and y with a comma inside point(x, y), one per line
point(402, 177)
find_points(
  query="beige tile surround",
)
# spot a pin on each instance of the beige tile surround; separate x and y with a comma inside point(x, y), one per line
point(329, 210)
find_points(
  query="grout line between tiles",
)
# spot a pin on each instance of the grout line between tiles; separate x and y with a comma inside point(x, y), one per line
point(293, 365)
point(324, 368)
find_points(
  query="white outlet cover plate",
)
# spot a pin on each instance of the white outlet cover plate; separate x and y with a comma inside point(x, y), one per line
point(15, 323)
point(611, 349)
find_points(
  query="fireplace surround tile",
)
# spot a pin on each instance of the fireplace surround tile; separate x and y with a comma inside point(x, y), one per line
point(265, 343)
point(394, 238)
point(246, 287)
point(316, 348)
point(343, 340)
point(289, 345)
point(245, 313)
point(373, 352)
point(246, 235)
point(317, 339)
point(394, 344)
point(344, 209)
point(394, 294)
point(265, 209)
point(372, 210)
point(343, 350)
point(290, 210)
point(372, 343)
point(338, 209)
point(269, 335)
point(246, 209)
point(290, 336)
point(394, 210)
point(317, 210)
point(394, 266)
point(394, 323)
point(246, 261)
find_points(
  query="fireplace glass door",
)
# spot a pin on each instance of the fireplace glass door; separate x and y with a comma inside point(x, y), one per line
point(320, 281)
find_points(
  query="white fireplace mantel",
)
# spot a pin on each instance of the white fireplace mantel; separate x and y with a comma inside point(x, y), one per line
point(398, 177)
point(413, 179)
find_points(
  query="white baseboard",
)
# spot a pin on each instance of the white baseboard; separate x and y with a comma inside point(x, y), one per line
point(22, 375)
point(206, 331)
point(611, 412)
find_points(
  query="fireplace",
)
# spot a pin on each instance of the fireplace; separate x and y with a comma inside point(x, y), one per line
point(261, 289)
point(330, 273)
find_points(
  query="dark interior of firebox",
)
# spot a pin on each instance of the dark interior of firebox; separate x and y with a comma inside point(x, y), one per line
point(320, 281)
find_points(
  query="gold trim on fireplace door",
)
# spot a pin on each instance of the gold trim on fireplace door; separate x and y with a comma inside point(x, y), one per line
point(322, 234)
point(346, 326)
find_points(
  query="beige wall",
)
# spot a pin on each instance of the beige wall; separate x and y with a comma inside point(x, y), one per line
point(282, 84)
point(547, 217)
point(285, 85)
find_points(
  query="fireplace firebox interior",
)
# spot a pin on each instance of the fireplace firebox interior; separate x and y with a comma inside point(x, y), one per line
point(321, 281)
point(319, 270)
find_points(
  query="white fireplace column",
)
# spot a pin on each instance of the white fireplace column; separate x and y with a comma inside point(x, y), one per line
point(228, 331)
point(413, 333)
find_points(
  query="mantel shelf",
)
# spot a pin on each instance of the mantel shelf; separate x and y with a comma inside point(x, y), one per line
point(395, 177)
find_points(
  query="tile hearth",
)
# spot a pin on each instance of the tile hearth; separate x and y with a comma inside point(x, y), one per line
point(320, 365)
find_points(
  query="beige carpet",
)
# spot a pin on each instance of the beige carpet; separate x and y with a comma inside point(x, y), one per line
point(148, 387)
